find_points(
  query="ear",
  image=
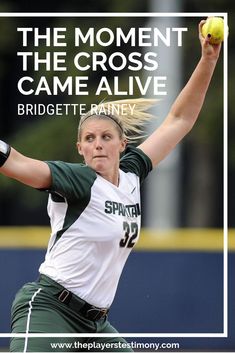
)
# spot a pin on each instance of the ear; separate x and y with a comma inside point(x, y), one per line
point(123, 145)
point(79, 148)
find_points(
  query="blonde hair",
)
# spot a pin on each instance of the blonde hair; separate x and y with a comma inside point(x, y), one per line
point(130, 120)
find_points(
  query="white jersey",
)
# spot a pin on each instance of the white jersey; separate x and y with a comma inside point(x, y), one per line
point(95, 225)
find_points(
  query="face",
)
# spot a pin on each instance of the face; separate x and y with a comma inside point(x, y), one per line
point(100, 145)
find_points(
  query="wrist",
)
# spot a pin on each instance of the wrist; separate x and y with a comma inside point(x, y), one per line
point(209, 59)
point(207, 65)
point(5, 150)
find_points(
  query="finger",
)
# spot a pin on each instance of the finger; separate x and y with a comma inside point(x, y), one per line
point(207, 38)
point(201, 23)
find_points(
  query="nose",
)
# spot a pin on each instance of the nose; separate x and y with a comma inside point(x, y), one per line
point(98, 144)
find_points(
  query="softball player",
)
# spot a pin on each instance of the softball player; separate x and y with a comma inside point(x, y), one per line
point(94, 210)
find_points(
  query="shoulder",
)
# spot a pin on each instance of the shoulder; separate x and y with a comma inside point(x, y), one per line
point(71, 178)
point(136, 161)
point(71, 170)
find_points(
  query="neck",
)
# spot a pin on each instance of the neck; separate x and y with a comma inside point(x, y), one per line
point(114, 179)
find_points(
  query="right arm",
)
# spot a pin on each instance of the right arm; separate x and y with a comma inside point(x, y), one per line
point(187, 106)
point(26, 170)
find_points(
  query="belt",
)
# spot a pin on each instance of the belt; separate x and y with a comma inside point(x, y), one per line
point(74, 302)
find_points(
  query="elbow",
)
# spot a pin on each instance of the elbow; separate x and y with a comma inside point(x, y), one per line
point(183, 122)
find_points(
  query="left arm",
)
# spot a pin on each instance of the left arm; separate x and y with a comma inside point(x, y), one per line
point(186, 108)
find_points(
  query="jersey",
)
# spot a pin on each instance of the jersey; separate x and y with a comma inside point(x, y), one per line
point(94, 225)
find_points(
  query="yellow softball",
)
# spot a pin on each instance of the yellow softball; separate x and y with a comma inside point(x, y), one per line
point(214, 29)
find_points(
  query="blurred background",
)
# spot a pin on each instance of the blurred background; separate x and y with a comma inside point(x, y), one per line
point(176, 271)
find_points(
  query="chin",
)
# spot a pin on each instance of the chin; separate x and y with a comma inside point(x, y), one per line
point(99, 167)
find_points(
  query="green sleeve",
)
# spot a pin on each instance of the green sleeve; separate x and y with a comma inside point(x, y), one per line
point(70, 180)
point(136, 161)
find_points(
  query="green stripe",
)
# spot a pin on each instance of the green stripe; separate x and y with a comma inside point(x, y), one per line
point(173, 240)
point(73, 212)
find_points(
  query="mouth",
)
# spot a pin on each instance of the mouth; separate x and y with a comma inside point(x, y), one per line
point(95, 157)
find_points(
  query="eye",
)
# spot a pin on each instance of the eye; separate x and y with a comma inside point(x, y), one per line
point(107, 137)
point(89, 138)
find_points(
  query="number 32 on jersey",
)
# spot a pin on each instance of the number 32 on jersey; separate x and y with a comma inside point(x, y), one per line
point(130, 235)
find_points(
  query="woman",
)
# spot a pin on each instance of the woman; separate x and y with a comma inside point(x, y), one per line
point(94, 211)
